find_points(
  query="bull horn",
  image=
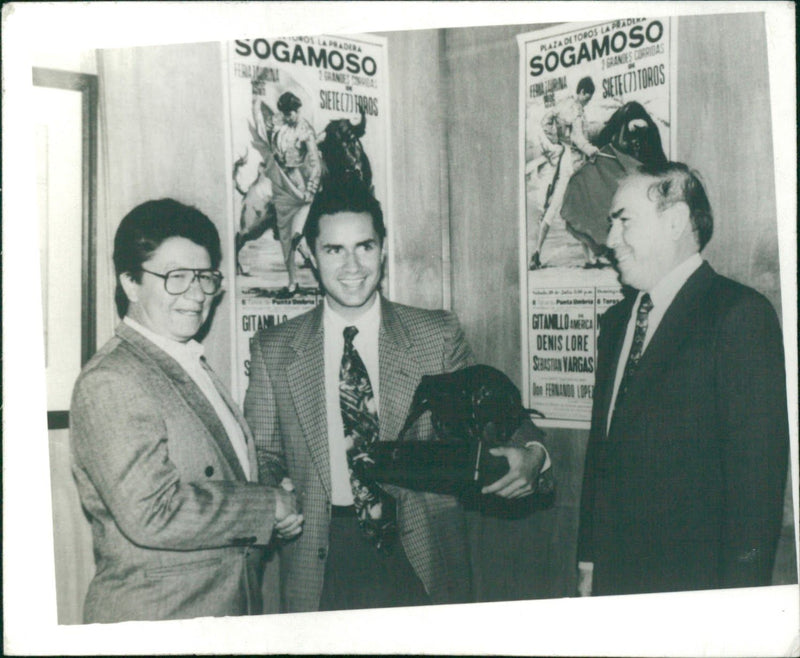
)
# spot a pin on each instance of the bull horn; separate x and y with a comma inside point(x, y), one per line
point(321, 136)
point(361, 126)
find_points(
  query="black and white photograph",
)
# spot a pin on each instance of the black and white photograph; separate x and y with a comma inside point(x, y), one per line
point(408, 327)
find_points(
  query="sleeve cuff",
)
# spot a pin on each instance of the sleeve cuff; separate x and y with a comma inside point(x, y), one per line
point(547, 463)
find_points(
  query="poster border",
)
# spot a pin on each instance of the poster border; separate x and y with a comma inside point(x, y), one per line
point(563, 29)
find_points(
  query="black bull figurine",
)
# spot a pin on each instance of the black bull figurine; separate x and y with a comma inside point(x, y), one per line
point(472, 410)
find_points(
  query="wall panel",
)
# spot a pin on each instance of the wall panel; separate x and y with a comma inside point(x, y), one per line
point(725, 130)
point(481, 125)
point(164, 137)
point(419, 164)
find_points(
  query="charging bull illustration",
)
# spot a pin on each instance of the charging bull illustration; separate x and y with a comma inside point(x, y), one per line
point(629, 140)
point(343, 154)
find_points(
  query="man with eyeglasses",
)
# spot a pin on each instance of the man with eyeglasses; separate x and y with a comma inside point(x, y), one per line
point(163, 459)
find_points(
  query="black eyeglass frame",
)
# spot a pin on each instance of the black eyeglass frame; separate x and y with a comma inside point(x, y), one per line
point(196, 277)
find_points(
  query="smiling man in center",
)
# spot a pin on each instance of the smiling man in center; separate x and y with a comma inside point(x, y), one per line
point(326, 384)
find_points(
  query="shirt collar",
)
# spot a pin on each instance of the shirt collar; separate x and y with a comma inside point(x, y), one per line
point(367, 323)
point(174, 348)
point(665, 290)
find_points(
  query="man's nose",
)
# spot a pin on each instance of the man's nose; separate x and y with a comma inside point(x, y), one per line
point(351, 261)
point(194, 291)
point(612, 239)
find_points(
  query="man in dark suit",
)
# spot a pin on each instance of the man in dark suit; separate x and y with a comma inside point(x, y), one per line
point(326, 382)
point(688, 449)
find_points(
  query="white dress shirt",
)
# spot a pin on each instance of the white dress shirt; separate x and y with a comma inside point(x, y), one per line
point(188, 356)
point(366, 342)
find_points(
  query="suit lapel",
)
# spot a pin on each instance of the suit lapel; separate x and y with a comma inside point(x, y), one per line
point(306, 376)
point(400, 372)
point(188, 390)
point(237, 414)
point(677, 324)
point(614, 325)
point(399, 375)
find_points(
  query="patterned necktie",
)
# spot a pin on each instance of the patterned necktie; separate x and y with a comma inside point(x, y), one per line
point(376, 510)
point(637, 348)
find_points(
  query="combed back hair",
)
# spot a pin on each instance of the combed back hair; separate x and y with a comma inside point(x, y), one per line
point(676, 182)
point(351, 196)
point(288, 102)
point(149, 224)
point(585, 85)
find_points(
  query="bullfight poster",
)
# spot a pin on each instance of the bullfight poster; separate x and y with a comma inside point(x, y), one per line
point(304, 113)
point(596, 102)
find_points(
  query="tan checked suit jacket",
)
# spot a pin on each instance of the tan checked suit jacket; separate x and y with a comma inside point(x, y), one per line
point(285, 406)
point(177, 528)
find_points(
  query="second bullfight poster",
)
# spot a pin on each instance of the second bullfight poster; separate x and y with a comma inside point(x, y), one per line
point(304, 112)
point(596, 102)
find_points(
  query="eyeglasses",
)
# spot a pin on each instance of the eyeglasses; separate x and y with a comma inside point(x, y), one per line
point(177, 282)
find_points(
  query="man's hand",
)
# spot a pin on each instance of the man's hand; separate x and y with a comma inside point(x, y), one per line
point(288, 520)
point(524, 465)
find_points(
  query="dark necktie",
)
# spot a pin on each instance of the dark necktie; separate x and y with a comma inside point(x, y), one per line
point(376, 509)
point(637, 348)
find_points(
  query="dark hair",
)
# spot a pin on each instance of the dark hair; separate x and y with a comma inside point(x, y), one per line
point(586, 85)
point(143, 230)
point(676, 182)
point(288, 102)
point(350, 196)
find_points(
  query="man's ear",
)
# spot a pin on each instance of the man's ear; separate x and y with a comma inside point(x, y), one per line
point(130, 287)
point(679, 220)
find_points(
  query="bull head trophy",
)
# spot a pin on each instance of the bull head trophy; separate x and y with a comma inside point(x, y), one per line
point(471, 410)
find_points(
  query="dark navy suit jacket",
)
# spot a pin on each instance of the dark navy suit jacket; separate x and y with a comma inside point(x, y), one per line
point(685, 490)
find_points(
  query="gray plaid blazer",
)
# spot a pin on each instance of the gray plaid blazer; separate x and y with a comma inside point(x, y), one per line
point(177, 529)
point(285, 407)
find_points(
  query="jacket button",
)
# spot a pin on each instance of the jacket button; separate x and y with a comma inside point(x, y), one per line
point(321, 553)
point(209, 471)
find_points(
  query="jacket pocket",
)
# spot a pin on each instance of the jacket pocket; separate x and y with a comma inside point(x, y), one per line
point(182, 568)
